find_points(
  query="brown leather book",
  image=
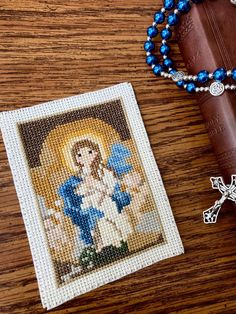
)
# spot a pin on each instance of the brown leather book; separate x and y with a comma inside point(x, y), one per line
point(207, 40)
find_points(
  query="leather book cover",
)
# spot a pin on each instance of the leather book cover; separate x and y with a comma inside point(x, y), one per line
point(207, 40)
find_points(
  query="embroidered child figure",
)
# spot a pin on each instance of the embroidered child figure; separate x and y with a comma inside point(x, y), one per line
point(94, 199)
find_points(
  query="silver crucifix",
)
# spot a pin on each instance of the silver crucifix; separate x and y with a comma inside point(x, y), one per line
point(228, 192)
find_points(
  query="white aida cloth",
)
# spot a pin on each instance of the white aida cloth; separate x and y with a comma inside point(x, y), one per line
point(91, 195)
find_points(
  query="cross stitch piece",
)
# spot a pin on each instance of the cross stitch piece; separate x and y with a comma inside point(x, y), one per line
point(92, 198)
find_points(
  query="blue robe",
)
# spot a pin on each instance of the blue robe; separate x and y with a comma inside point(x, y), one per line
point(86, 219)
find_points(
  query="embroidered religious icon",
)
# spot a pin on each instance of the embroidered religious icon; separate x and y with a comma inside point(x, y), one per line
point(91, 196)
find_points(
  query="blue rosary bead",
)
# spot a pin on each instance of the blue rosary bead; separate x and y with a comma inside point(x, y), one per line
point(159, 17)
point(152, 31)
point(220, 74)
point(166, 69)
point(151, 59)
point(168, 62)
point(169, 4)
point(166, 33)
point(157, 69)
point(203, 76)
point(183, 6)
point(172, 71)
point(233, 74)
point(164, 49)
point(173, 19)
point(191, 87)
point(149, 46)
point(180, 84)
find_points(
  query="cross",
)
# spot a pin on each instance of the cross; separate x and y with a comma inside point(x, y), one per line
point(228, 192)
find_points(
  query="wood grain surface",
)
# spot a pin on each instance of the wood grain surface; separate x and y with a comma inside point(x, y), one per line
point(53, 49)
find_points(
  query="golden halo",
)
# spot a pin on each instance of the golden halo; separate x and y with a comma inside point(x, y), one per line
point(56, 149)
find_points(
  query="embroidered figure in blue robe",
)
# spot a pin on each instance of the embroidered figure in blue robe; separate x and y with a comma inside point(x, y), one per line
point(93, 199)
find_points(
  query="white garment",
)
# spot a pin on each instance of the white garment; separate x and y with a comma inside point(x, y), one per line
point(114, 226)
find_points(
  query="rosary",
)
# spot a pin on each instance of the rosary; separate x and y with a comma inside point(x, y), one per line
point(171, 12)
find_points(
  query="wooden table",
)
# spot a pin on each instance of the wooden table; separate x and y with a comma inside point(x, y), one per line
point(52, 49)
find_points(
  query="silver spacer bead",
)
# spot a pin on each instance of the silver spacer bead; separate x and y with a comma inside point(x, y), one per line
point(197, 89)
point(169, 76)
point(167, 26)
point(164, 57)
point(210, 75)
point(201, 89)
point(176, 11)
point(148, 53)
point(194, 78)
point(153, 66)
point(154, 24)
point(163, 10)
point(206, 89)
point(233, 2)
point(229, 73)
point(163, 41)
point(162, 73)
point(185, 85)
